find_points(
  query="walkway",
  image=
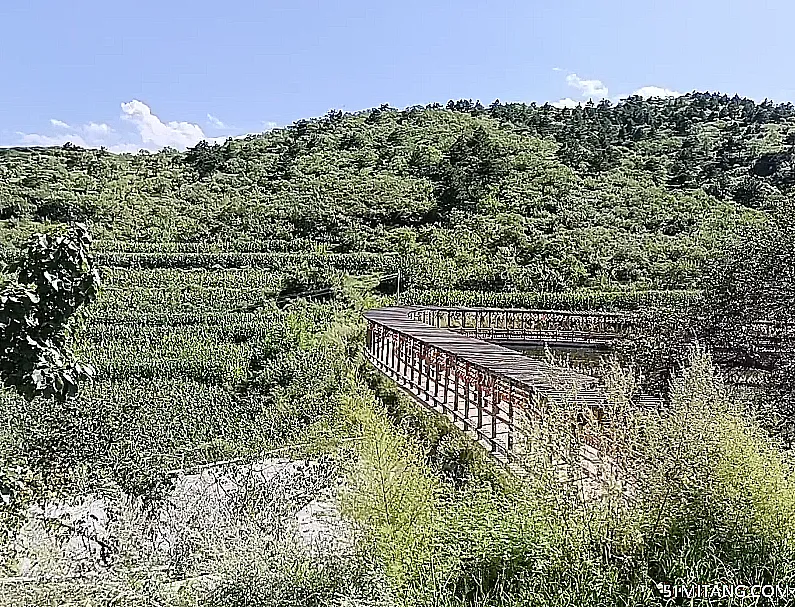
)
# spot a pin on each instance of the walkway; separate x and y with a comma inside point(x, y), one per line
point(438, 355)
point(486, 390)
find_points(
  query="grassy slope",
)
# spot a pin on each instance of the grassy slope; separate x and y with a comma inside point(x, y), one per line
point(166, 394)
point(499, 196)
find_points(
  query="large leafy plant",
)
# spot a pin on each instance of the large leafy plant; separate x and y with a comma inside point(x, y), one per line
point(55, 276)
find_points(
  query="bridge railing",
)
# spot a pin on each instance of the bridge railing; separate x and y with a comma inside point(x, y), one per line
point(576, 327)
point(441, 370)
point(471, 396)
point(528, 325)
point(486, 390)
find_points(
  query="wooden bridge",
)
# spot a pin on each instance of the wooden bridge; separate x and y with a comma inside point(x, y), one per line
point(525, 326)
point(452, 360)
point(439, 356)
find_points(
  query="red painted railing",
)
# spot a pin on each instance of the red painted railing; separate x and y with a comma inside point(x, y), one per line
point(473, 383)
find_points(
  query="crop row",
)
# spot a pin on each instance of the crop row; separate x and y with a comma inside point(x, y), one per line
point(113, 301)
point(570, 300)
point(132, 317)
point(125, 278)
point(143, 393)
point(208, 354)
point(208, 371)
point(353, 262)
point(347, 262)
point(119, 411)
point(216, 328)
point(263, 246)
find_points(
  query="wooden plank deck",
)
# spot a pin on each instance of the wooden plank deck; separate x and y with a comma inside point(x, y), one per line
point(489, 391)
point(544, 378)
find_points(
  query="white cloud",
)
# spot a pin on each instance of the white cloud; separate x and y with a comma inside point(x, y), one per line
point(215, 122)
point(656, 91)
point(138, 129)
point(597, 90)
point(557, 69)
point(98, 130)
point(89, 135)
point(587, 88)
point(51, 140)
point(147, 132)
point(124, 148)
point(567, 102)
point(160, 134)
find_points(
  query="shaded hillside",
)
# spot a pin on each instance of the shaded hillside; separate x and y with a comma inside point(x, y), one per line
point(509, 197)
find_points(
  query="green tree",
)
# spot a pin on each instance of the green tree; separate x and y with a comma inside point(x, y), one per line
point(473, 163)
point(752, 281)
point(55, 276)
point(205, 158)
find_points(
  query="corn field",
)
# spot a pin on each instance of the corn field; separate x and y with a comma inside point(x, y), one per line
point(200, 259)
point(571, 300)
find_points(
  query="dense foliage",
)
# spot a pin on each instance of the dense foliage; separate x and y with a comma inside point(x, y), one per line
point(207, 350)
point(54, 277)
point(753, 281)
point(509, 197)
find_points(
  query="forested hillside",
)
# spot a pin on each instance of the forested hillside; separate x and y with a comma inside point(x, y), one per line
point(508, 197)
point(232, 407)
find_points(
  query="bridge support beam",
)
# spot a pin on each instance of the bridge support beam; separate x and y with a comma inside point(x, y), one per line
point(400, 342)
point(488, 402)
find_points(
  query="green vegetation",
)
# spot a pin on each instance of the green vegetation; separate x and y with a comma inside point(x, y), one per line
point(512, 197)
point(54, 278)
point(209, 356)
point(566, 300)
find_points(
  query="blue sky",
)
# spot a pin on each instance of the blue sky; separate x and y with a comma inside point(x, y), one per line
point(144, 74)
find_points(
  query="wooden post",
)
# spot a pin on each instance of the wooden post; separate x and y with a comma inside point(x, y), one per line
point(494, 403)
point(412, 347)
point(510, 417)
point(420, 359)
point(446, 378)
point(455, 380)
point(436, 377)
point(397, 293)
point(481, 381)
point(427, 365)
point(394, 352)
point(466, 398)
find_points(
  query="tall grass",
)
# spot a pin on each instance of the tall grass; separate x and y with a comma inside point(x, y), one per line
point(695, 493)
